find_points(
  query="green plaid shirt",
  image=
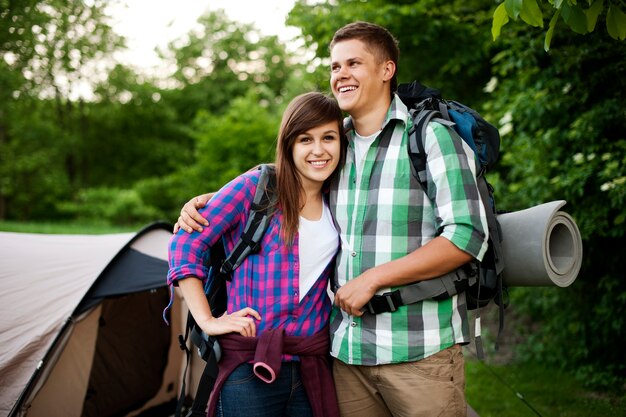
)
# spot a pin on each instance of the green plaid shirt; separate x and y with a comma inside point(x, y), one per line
point(382, 214)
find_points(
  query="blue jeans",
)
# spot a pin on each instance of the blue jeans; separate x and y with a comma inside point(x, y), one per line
point(245, 395)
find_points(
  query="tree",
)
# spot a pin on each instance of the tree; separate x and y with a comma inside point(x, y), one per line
point(421, 27)
point(223, 60)
point(564, 116)
point(225, 145)
point(579, 19)
point(46, 49)
point(236, 141)
point(230, 85)
point(73, 154)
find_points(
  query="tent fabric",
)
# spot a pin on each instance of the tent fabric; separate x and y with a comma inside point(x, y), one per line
point(67, 381)
point(134, 263)
point(146, 341)
point(48, 281)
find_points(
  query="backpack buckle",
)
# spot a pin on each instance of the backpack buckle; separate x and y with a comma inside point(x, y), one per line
point(256, 247)
point(227, 267)
point(384, 303)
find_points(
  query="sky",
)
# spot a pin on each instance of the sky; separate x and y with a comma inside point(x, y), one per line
point(150, 23)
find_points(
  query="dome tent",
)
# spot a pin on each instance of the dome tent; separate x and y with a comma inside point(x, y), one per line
point(81, 331)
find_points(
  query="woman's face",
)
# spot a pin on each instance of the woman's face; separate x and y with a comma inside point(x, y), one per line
point(316, 154)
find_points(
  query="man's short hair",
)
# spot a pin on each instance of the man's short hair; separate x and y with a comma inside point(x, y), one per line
point(381, 43)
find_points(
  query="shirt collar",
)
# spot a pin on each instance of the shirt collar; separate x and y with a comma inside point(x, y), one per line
point(397, 111)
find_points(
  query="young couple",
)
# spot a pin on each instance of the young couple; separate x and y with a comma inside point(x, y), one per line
point(384, 232)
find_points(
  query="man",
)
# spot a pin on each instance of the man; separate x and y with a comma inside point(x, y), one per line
point(407, 362)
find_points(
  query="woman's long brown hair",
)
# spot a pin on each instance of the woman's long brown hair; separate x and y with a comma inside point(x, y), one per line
point(304, 112)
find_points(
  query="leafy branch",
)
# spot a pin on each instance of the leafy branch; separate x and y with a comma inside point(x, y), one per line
point(579, 19)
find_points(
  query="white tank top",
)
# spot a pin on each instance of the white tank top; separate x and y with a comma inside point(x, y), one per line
point(318, 243)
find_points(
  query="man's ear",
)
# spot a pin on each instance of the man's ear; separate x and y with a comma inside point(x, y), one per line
point(389, 69)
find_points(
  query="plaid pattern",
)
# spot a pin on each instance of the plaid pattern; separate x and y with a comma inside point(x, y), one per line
point(383, 214)
point(268, 281)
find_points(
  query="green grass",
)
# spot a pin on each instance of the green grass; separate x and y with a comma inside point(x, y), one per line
point(65, 228)
point(492, 392)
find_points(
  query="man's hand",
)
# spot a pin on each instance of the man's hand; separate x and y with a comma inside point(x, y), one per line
point(437, 257)
point(190, 219)
point(352, 296)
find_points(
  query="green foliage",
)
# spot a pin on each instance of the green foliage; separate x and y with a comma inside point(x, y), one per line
point(127, 140)
point(44, 47)
point(71, 227)
point(225, 146)
point(566, 129)
point(167, 194)
point(573, 13)
point(234, 142)
point(110, 205)
point(222, 61)
point(134, 133)
point(421, 27)
point(35, 162)
point(50, 43)
point(564, 139)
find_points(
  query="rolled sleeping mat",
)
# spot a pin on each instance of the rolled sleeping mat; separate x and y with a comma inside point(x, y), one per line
point(541, 246)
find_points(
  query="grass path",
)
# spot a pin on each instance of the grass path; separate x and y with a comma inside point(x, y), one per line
point(533, 390)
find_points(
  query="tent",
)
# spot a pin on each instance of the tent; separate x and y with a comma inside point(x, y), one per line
point(81, 332)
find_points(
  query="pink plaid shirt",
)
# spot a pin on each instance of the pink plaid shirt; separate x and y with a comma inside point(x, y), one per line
point(267, 281)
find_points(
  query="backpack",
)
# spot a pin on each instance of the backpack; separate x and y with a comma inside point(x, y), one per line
point(481, 282)
point(220, 269)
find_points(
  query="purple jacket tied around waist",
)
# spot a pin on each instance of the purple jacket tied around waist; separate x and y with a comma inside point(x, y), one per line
point(265, 354)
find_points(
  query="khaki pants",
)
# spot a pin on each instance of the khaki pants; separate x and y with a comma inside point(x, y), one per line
point(434, 386)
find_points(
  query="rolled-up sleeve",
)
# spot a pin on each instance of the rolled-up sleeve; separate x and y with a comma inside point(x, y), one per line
point(188, 251)
point(451, 175)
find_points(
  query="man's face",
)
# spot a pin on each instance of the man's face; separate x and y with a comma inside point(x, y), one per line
point(357, 78)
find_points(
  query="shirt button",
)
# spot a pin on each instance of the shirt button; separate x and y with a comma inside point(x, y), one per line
point(353, 324)
point(353, 254)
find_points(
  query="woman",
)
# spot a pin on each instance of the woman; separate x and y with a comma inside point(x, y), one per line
point(277, 298)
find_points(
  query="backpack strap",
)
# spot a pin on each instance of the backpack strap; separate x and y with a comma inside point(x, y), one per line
point(416, 135)
point(260, 214)
point(205, 386)
point(495, 231)
point(182, 341)
point(259, 218)
point(441, 287)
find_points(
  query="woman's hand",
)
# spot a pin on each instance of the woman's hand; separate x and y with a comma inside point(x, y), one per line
point(242, 322)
